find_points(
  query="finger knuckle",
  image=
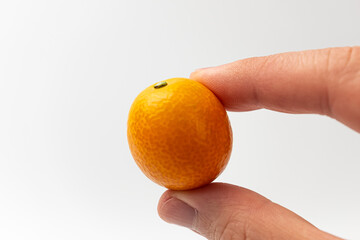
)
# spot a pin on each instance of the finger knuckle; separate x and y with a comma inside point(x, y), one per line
point(231, 229)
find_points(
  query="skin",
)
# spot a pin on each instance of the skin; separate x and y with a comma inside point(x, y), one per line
point(325, 82)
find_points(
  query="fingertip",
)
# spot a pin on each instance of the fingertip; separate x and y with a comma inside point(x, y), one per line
point(196, 75)
point(206, 210)
point(175, 211)
point(163, 199)
point(216, 80)
point(206, 75)
point(193, 74)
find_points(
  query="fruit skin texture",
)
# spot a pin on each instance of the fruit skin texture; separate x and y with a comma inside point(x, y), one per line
point(179, 134)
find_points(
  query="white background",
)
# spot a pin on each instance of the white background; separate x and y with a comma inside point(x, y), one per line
point(69, 71)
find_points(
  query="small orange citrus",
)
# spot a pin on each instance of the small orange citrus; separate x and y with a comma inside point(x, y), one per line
point(179, 134)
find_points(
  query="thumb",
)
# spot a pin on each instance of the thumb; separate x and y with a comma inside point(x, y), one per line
point(222, 211)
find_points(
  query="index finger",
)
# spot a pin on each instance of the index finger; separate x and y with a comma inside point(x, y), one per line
point(323, 81)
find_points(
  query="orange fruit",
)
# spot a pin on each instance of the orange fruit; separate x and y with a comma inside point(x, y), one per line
point(179, 134)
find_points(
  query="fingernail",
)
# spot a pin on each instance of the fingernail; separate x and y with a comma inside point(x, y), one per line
point(177, 212)
point(199, 73)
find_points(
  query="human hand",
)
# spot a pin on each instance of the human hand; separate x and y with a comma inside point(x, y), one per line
point(324, 81)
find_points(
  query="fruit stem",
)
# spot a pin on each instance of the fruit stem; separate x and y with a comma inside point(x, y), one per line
point(160, 84)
